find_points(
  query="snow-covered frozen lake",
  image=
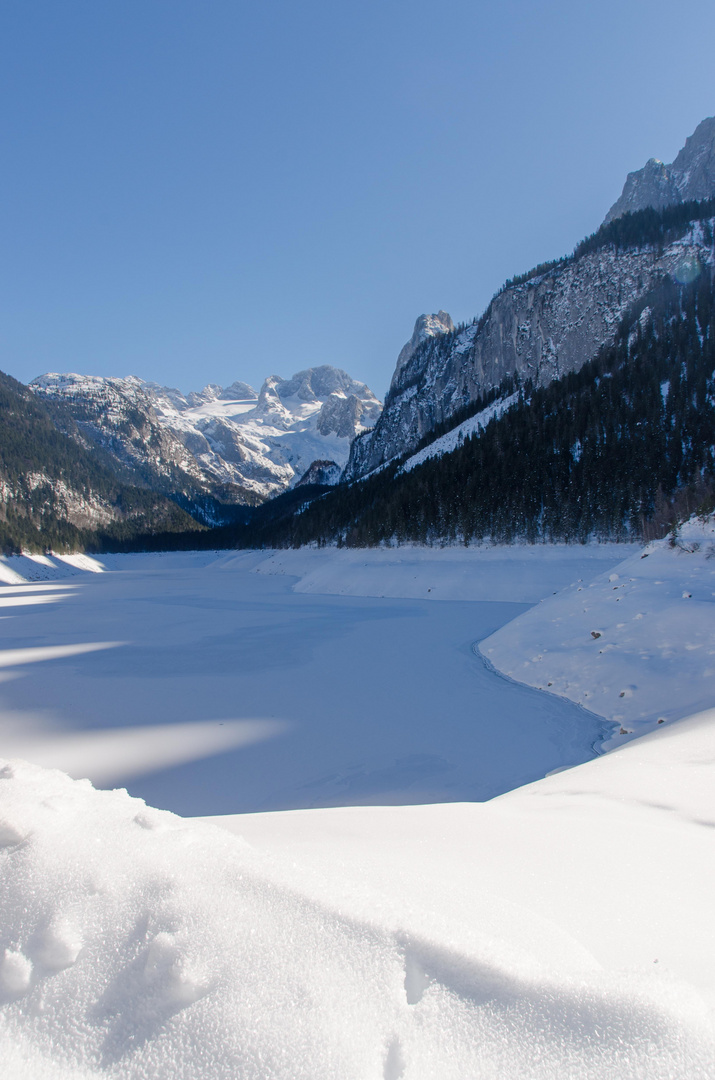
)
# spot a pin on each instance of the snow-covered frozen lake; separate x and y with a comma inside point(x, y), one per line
point(563, 929)
point(224, 683)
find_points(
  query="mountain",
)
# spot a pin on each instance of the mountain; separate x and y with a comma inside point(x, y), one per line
point(621, 449)
point(690, 177)
point(56, 492)
point(426, 326)
point(539, 327)
point(322, 473)
point(229, 445)
point(580, 403)
point(116, 419)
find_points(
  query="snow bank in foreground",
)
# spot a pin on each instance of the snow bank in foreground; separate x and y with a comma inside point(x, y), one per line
point(141, 946)
point(636, 645)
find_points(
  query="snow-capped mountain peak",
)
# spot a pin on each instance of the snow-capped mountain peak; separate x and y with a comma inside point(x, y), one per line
point(261, 442)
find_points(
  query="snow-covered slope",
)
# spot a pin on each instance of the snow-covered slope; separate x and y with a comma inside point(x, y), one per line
point(267, 442)
point(560, 931)
point(635, 645)
point(117, 414)
point(446, 443)
point(254, 443)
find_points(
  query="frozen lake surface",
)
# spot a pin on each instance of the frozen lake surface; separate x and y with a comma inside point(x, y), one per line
point(209, 684)
point(563, 929)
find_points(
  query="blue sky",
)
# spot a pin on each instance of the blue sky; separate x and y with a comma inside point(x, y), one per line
point(209, 190)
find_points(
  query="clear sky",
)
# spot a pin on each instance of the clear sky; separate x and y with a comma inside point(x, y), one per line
point(206, 190)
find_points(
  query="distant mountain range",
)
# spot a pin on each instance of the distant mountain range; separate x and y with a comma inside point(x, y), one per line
point(230, 443)
point(57, 491)
point(219, 453)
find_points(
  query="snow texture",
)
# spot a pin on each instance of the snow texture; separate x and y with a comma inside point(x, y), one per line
point(142, 946)
point(563, 929)
point(636, 645)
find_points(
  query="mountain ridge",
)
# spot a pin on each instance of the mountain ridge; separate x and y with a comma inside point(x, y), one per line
point(691, 176)
point(238, 449)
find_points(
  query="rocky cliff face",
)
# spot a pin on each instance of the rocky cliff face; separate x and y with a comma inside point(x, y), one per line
point(426, 326)
point(118, 416)
point(690, 176)
point(52, 490)
point(326, 473)
point(539, 329)
point(229, 444)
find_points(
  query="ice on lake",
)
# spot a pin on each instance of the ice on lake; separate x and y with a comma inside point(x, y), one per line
point(224, 683)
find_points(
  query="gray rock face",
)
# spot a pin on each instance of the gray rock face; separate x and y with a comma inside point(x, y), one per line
point(321, 472)
point(229, 443)
point(690, 176)
point(540, 329)
point(346, 415)
point(427, 326)
point(118, 415)
point(238, 391)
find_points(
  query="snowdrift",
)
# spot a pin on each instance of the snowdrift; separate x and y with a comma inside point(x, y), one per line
point(143, 946)
point(635, 645)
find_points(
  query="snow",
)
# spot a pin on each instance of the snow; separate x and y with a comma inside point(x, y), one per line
point(19, 569)
point(264, 443)
point(520, 573)
point(272, 692)
point(635, 645)
point(562, 929)
point(449, 442)
point(367, 942)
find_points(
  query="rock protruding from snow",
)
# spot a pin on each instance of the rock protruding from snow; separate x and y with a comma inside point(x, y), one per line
point(427, 326)
point(690, 176)
point(238, 391)
point(345, 415)
point(321, 472)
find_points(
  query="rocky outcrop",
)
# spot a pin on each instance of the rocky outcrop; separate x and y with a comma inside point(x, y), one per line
point(118, 416)
point(690, 176)
point(539, 329)
point(346, 414)
point(426, 326)
point(325, 473)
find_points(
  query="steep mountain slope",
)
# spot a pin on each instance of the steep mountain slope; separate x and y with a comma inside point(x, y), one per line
point(538, 327)
point(620, 449)
point(220, 446)
point(54, 493)
point(690, 176)
point(116, 418)
point(266, 442)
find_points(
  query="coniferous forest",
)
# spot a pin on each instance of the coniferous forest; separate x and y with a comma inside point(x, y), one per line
point(621, 449)
point(43, 472)
point(618, 450)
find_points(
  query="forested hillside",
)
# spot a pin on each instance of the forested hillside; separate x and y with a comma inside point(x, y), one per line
point(618, 450)
point(55, 494)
